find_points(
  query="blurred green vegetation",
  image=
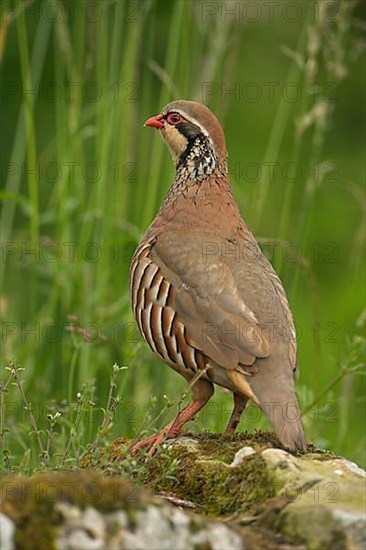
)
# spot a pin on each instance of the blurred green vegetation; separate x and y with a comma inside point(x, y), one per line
point(82, 179)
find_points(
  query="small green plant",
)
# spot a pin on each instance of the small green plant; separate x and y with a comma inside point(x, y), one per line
point(57, 439)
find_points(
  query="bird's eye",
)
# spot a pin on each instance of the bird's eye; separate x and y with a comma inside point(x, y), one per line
point(174, 118)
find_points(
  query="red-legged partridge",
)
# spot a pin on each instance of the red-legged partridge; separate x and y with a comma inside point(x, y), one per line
point(205, 298)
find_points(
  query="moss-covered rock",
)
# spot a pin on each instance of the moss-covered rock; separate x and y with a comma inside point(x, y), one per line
point(90, 511)
point(30, 501)
point(222, 475)
point(213, 492)
point(313, 498)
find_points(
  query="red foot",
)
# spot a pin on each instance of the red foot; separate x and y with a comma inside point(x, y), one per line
point(152, 443)
point(202, 391)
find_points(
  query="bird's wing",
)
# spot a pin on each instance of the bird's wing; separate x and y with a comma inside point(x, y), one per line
point(208, 302)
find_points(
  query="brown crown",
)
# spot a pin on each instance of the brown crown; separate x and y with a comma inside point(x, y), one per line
point(206, 120)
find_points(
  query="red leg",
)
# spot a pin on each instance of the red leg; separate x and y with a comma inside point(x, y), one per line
point(240, 403)
point(202, 391)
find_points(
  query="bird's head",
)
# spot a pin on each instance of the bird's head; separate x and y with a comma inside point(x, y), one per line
point(192, 133)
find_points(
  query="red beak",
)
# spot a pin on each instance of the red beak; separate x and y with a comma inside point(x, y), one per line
point(155, 122)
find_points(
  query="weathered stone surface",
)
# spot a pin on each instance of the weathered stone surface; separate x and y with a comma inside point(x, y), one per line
point(241, 454)
point(7, 530)
point(315, 499)
point(156, 526)
point(53, 510)
point(216, 492)
point(329, 507)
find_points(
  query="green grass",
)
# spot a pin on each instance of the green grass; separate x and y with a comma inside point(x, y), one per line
point(101, 177)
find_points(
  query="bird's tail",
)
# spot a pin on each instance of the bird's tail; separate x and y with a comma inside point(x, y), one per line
point(285, 416)
point(277, 399)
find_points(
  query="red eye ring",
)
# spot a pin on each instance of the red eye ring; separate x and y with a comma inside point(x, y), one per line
point(175, 118)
